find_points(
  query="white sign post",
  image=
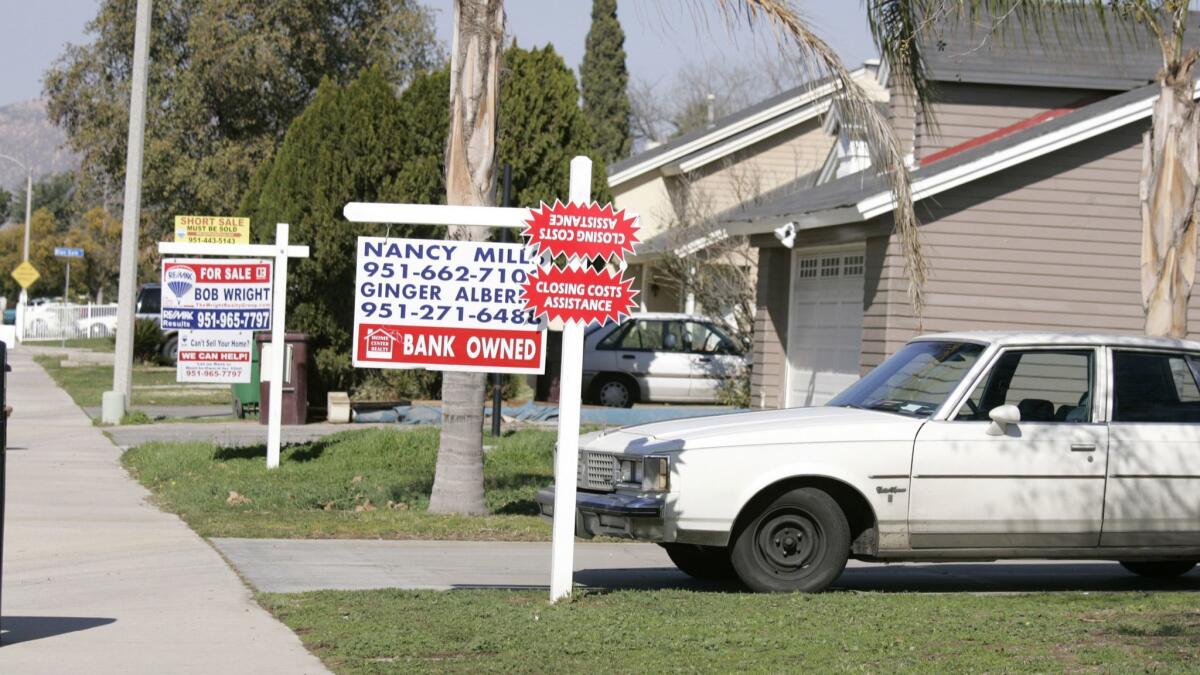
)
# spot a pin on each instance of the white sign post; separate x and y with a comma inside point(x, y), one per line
point(562, 550)
point(280, 251)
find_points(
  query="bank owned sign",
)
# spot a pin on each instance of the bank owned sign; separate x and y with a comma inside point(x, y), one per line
point(445, 305)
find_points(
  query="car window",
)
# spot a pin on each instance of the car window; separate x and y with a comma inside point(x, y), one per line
point(1154, 387)
point(149, 301)
point(614, 337)
point(1045, 385)
point(646, 336)
point(704, 338)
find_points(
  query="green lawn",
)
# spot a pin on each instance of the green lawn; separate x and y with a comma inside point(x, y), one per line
point(638, 631)
point(106, 344)
point(363, 483)
point(86, 384)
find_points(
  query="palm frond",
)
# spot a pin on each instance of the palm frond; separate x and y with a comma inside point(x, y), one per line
point(863, 120)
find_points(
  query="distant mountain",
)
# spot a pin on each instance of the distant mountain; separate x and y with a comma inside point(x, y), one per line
point(26, 133)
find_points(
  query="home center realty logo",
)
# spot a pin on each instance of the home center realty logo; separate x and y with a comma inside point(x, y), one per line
point(180, 279)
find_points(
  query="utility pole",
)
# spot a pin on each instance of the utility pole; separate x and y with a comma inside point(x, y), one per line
point(115, 402)
point(28, 213)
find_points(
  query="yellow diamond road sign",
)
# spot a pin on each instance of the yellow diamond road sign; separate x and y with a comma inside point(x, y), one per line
point(25, 274)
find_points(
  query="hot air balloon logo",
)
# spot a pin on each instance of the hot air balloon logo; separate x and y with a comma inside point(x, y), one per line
point(180, 279)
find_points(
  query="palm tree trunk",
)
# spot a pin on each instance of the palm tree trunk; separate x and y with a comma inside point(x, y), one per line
point(470, 175)
point(1168, 191)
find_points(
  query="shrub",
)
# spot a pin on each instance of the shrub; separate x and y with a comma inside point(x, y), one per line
point(147, 338)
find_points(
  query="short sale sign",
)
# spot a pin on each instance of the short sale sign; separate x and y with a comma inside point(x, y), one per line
point(445, 305)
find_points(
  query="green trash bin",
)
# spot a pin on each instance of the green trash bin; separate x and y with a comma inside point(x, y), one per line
point(246, 395)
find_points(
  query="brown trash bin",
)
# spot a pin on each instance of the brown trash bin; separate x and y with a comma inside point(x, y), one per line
point(295, 378)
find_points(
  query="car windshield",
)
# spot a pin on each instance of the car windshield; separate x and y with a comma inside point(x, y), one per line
point(915, 381)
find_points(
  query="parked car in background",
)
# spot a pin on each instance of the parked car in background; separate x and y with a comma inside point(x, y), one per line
point(149, 306)
point(658, 356)
point(964, 446)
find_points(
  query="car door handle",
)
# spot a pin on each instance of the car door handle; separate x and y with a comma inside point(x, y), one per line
point(628, 356)
point(1083, 447)
point(705, 359)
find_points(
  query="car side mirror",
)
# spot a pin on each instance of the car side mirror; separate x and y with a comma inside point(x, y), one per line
point(1002, 416)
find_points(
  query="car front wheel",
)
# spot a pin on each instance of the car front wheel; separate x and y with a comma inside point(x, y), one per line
point(170, 350)
point(710, 563)
point(1159, 569)
point(799, 541)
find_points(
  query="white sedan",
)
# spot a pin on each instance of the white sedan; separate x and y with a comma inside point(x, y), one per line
point(963, 446)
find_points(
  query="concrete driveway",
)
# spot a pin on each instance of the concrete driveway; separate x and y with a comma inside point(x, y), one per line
point(288, 565)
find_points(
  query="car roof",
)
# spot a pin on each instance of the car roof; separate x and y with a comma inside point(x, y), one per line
point(1027, 338)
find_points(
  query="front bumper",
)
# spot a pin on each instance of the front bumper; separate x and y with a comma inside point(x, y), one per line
point(612, 514)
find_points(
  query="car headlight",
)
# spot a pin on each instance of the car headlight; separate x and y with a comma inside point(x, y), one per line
point(631, 471)
point(656, 474)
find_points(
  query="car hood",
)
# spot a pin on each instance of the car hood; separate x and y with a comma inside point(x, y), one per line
point(770, 427)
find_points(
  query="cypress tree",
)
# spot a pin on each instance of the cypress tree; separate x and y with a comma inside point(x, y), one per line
point(351, 143)
point(605, 82)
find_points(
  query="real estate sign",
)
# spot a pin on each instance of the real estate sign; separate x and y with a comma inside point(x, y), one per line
point(214, 356)
point(221, 295)
point(445, 305)
point(212, 230)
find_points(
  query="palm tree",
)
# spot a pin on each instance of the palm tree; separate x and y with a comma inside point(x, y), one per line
point(471, 173)
point(1170, 164)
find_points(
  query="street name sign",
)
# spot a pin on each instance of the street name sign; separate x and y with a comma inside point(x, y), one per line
point(25, 274)
point(444, 305)
point(215, 356)
point(67, 252)
point(224, 295)
point(212, 230)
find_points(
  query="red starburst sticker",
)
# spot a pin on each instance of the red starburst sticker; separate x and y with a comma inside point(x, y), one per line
point(582, 230)
point(584, 296)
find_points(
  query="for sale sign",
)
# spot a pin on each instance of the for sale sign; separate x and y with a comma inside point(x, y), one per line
point(214, 356)
point(583, 231)
point(584, 296)
point(232, 295)
point(444, 305)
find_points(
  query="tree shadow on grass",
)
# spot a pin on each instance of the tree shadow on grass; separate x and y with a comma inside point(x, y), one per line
point(519, 507)
point(304, 453)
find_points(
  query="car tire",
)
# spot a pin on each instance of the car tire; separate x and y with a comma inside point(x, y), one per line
point(709, 563)
point(797, 541)
point(170, 350)
point(615, 391)
point(1159, 569)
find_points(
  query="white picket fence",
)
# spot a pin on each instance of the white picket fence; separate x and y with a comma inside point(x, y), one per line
point(58, 321)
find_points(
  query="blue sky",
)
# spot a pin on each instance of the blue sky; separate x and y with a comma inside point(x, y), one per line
point(661, 35)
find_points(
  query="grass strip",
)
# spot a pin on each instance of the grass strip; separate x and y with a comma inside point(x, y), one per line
point(365, 483)
point(86, 385)
point(390, 631)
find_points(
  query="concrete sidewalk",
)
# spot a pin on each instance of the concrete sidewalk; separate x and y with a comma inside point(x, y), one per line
point(98, 581)
point(291, 566)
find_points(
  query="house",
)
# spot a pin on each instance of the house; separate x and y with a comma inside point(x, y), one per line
point(681, 187)
point(1028, 195)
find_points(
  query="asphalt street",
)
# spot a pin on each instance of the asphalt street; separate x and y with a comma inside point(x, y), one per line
point(289, 565)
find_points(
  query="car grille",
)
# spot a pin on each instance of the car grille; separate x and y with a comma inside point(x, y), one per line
point(598, 471)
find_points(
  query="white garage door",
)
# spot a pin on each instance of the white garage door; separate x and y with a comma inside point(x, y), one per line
point(824, 324)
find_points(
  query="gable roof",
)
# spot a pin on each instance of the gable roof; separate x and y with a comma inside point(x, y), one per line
point(862, 196)
point(738, 130)
point(1077, 53)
